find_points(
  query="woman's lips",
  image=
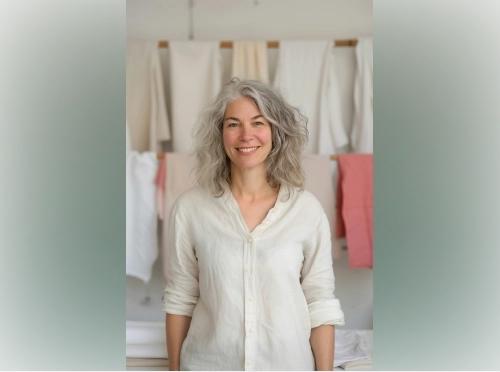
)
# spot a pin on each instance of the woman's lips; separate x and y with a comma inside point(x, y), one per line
point(247, 150)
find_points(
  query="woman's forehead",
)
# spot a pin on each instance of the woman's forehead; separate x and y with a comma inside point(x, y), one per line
point(242, 107)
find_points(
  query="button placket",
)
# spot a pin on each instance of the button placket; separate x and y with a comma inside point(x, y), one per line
point(249, 304)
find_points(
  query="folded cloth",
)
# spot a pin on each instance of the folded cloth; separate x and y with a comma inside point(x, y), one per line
point(351, 345)
point(145, 333)
point(250, 60)
point(358, 365)
point(146, 105)
point(141, 220)
point(320, 183)
point(146, 351)
point(147, 362)
point(355, 207)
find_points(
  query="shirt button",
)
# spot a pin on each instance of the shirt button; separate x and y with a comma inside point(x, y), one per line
point(248, 270)
point(250, 330)
point(273, 210)
point(249, 363)
point(249, 240)
point(250, 299)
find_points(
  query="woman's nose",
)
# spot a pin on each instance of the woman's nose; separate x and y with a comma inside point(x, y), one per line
point(246, 133)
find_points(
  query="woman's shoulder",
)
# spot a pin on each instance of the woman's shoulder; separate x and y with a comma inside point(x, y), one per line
point(305, 206)
point(192, 197)
point(196, 199)
point(305, 198)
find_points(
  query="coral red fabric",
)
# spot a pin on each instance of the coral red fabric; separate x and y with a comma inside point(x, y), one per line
point(355, 207)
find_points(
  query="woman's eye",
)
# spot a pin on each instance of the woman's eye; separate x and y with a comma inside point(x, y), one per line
point(259, 123)
point(232, 125)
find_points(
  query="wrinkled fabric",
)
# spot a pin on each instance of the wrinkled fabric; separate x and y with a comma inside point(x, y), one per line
point(195, 79)
point(253, 296)
point(141, 221)
point(250, 61)
point(146, 106)
point(178, 179)
point(321, 184)
point(355, 207)
point(307, 79)
point(362, 123)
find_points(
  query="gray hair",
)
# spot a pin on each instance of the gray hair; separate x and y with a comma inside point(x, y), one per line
point(289, 136)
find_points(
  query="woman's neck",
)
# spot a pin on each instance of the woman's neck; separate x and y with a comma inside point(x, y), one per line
point(251, 184)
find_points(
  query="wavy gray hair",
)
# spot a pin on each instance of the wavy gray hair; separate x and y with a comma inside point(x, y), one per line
point(289, 136)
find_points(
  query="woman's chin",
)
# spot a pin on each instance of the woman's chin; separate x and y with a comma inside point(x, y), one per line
point(246, 165)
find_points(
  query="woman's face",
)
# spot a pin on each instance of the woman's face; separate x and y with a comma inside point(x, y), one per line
point(246, 133)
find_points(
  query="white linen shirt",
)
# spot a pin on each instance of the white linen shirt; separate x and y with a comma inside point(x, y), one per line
point(253, 296)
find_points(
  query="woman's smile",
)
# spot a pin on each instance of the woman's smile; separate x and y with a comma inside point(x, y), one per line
point(247, 150)
point(246, 134)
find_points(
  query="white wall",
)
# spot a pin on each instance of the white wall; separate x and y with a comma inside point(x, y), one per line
point(258, 20)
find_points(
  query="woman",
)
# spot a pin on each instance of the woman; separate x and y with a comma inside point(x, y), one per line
point(251, 280)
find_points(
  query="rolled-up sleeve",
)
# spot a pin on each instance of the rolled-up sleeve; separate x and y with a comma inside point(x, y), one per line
point(318, 280)
point(182, 289)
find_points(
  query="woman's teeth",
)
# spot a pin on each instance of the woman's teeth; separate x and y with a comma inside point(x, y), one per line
point(247, 149)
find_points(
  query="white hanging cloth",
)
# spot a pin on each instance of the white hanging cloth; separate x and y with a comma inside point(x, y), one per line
point(146, 107)
point(195, 79)
point(250, 60)
point(141, 217)
point(307, 79)
point(362, 125)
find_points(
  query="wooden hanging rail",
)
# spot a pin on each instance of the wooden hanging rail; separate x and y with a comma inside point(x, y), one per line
point(159, 155)
point(270, 44)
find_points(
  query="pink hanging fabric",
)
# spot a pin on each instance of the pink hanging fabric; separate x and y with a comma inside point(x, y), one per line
point(355, 207)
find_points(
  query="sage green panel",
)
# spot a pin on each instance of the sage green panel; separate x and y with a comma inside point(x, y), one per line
point(437, 182)
point(62, 189)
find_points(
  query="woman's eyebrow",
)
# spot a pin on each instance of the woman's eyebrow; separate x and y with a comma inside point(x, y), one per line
point(232, 118)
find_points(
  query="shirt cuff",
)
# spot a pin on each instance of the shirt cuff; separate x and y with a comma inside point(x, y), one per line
point(177, 303)
point(326, 312)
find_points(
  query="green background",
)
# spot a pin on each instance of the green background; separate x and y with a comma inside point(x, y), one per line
point(62, 193)
point(437, 181)
point(62, 189)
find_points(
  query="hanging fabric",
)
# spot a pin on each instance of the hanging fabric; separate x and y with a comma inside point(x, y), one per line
point(307, 79)
point(250, 60)
point(320, 183)
point(362, 125)
point(195, 78)
point(178, 179)
point(141, 217)
point(355, 207)
point(146, 107)
point(128, 145)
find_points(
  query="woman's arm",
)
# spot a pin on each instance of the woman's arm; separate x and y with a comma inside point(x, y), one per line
point(323, 346)
point(177, 329)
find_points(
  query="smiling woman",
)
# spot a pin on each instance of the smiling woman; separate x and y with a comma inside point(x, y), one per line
point(288, 130)
point(251, 281)
point(247, 135)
